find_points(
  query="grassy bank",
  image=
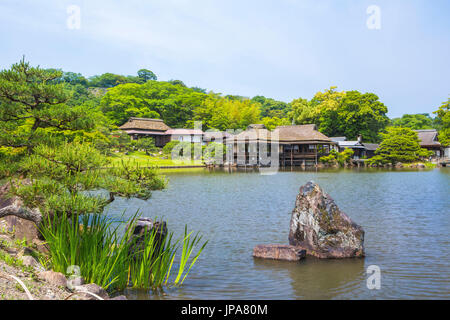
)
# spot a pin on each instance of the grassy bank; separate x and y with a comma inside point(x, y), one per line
point(145, 160)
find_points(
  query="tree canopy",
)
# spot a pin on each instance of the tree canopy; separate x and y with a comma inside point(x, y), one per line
point(272, 108)
point(343, 113)
point(414, 121)
point(48, 149)
point(173, 103)
point(443, 122)
point(224, 113)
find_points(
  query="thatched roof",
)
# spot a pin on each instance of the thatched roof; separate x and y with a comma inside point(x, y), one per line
point(254, 132)
point(428, 138)
point(145, 124)
point(302, 134)
point(307, 133)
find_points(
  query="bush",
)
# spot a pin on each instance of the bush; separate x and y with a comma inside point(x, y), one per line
point(167, 149)
point(330, 159)
point(344, 156)
point(399, 145)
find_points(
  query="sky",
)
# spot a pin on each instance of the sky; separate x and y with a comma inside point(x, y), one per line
point(282, 49)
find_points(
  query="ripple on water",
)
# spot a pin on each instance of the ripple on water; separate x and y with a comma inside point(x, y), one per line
point(406, 217)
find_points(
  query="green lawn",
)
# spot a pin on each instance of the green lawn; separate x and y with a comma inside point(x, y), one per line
point(143, 159)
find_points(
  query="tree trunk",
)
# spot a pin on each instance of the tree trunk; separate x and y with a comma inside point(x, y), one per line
point(15, 207)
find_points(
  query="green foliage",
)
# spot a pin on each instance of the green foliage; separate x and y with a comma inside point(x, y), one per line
point(167, 149)
point(214, 152)
point(443, 122)
point(414, 121)
point(272, 123)
point(33, 109)
point(343, 114)
point(399, 145)
point(58, 177)
point(115, 262)
point(109, 80)
point(337, 157)
point(146, 144)
point(153, 99)
point(227, 113)
point(330, 158)
point(146, 75)
point(120, 140)
point(344, 156)
point(272, 108)
point(183, 150)
point(177, 83)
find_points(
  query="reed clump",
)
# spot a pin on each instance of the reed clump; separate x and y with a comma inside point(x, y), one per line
point(110, 258)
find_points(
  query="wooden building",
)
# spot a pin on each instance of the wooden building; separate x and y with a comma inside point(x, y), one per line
point(360, 149)
point(296, 145)
point(145, 127)
point(185, 135)
point(429, 140)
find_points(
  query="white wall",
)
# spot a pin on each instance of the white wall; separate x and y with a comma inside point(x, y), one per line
point(188, 138)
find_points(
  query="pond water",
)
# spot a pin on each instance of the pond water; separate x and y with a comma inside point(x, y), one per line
point(405, 214)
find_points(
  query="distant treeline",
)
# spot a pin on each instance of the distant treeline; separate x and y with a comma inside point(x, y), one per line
point(336, 113)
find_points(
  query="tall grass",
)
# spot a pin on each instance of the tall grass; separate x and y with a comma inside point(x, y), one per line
point(115, 261)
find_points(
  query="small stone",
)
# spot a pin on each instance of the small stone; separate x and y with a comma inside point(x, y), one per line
point(30, 261)
point(25, 251)
point(92, 288)
point(279, 252)
point(41, 246)
point(54, 278)
point(50, 295)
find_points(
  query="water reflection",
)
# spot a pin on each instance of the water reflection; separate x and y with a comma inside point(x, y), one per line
point(313, 278)
point(405, 213)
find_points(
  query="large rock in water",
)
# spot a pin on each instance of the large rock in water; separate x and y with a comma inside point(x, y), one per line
point(321, 228)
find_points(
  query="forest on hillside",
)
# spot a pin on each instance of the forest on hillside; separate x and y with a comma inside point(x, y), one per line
point(114, 98)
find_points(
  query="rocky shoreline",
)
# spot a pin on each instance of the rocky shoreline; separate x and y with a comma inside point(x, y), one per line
point(23, 277)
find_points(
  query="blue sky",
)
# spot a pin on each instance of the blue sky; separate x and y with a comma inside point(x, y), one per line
point(282, 49)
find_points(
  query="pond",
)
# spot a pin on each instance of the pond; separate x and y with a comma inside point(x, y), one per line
point(405, 214)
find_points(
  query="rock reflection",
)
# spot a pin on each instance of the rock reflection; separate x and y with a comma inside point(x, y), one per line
point(314, 278)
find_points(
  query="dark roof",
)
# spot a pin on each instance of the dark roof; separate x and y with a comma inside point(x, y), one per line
point(428, 138)
point(350, 144)
point(371, 146)
point(145, 124)
point(338, 139)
